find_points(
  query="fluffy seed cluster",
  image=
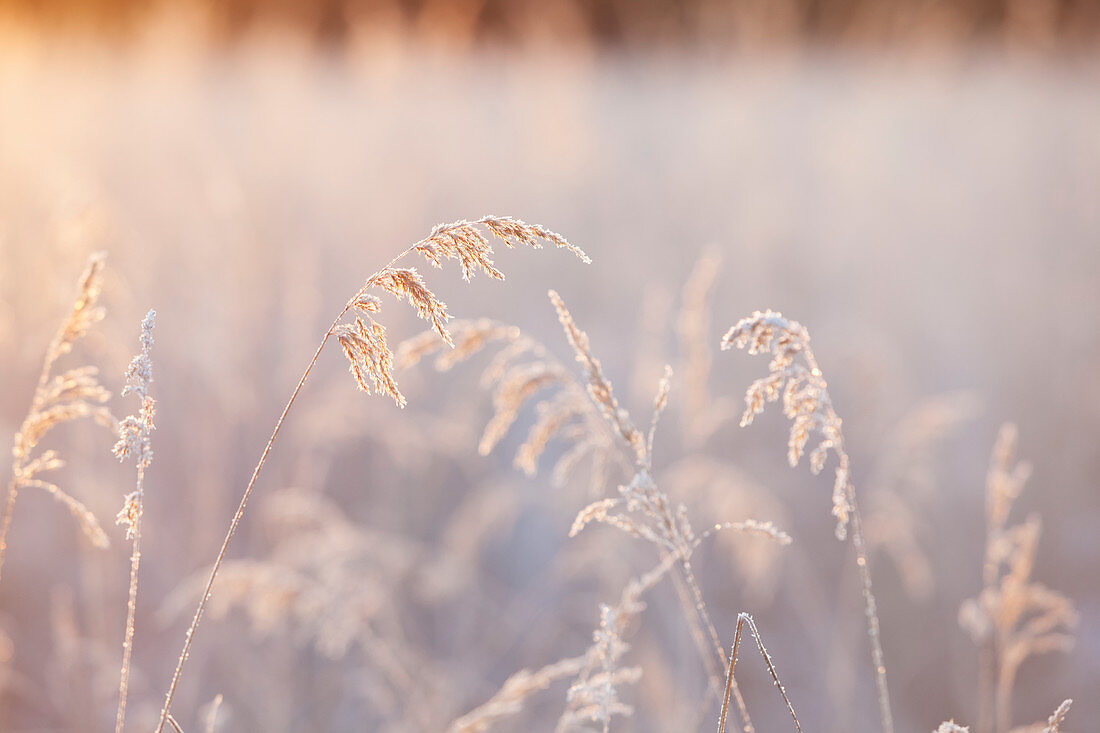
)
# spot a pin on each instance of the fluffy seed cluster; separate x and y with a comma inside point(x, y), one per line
point(593, 698)
point(363, 340)
point(134, 431)
point(130, 514)
point(794, 374)
point(647, 514)
point(805, 394)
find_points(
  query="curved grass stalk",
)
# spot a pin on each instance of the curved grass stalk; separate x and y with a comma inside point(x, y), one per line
point(806, 402)
point(59, 399)
point(371, 360)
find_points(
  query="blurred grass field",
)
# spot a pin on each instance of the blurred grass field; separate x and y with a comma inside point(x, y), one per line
point(931, 216)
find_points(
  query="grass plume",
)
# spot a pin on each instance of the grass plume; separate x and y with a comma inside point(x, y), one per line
point(794, 374)
point(59, 399)
point(641, 510)
point(1014, 617)
point(369, 356)
point(134, 443)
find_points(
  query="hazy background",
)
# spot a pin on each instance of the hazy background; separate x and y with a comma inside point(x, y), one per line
point(917, 183)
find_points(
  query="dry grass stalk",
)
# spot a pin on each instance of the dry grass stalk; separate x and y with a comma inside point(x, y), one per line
point(661, 523)
point(364, 341)
point(703, 414)
point(509, 699)
point(794, 374)
point(671, 534)
point(369, 356)
point(693, 329)
point(641, 510)
point(742, 619)
point(57, 400)
point(1014, 617)
point(646, 513)
point(592, 697)
point(660, 402)
point(650, 351)
point(727, 491)
point(903, 485)
point(134, 442)
point(521, 369)
point(599, 387)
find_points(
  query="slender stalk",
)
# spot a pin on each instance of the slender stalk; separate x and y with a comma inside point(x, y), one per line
point(190, 636)
point(729, 677)
point(771, 667)
point(696, 629)
point(989, 652)
point(704, 615)
point(134, 442)
point(731, 683)
point(131, 604)
point(700, 606)
point(870, 611)
point(702, 645)
point(870, 607)
point(52, 352)
point(239, 513)
point(83, 315)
